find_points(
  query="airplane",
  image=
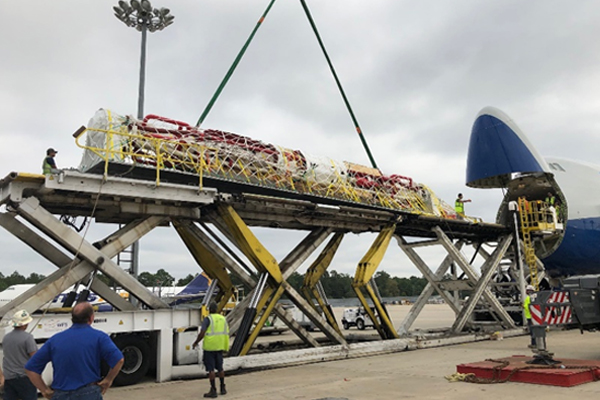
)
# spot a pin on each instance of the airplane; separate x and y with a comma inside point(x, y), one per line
point(501, 156)
point(13, 291)
point(194, 290)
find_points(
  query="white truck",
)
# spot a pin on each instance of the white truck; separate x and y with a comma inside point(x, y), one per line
point(149, 339)
point(356, 316)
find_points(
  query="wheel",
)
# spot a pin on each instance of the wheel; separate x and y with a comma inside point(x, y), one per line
point(346, 326)
point(136, 353)
point(360, 324)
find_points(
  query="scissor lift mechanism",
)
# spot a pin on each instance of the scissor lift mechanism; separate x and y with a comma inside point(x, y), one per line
point(140, 206)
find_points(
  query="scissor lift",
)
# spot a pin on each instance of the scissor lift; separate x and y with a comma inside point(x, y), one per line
point(33, 202)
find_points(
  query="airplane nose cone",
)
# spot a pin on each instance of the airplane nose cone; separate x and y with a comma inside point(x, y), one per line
point(498, 148)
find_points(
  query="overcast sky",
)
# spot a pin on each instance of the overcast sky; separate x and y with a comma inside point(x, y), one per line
point(416, 74)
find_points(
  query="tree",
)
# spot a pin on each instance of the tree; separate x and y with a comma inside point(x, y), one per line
point(296, 280)
point(163, 278)
point(35, 278)
point(147, 279)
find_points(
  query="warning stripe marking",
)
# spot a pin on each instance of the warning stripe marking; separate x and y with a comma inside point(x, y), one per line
point(557, 310)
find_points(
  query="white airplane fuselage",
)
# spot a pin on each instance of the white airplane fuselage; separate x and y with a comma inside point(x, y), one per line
point(501, 156)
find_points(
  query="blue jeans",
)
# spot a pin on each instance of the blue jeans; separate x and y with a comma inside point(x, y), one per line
point(19, 388)
point(88, 392)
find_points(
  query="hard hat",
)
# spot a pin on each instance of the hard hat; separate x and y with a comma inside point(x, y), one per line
point(530, 287)
point(21, 318)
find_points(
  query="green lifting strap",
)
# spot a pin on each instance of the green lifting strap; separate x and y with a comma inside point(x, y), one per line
point(358, 130)
point(233, 66)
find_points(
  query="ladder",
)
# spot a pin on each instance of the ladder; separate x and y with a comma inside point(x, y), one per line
point(526, 227)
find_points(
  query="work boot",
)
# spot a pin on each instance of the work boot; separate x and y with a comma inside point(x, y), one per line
point(212, 394)
point(223, 390)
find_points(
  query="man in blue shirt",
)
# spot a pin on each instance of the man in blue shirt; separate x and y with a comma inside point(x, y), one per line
point(75, 355)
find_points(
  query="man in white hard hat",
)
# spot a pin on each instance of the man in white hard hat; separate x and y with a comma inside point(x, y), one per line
point(18, 347)
point(529, 290)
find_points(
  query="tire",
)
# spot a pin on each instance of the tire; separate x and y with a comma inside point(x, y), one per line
point(346, 326)
point(360, 324)
point(136, 352)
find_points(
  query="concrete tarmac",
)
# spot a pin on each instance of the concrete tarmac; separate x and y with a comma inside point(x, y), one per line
point(415, 374)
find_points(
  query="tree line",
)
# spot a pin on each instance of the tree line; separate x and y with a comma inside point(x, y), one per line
point(337, 285)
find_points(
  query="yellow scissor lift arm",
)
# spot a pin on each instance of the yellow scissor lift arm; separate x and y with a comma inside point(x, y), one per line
point(209, 263)
point(362, 279)
point(270, 288)
point(312, 285)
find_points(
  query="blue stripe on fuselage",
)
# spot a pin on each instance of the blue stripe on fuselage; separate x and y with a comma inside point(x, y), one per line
point(495, 149)
point(579, 252)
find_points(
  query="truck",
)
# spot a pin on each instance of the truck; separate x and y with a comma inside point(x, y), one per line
point(151, 340)
point(356, 316)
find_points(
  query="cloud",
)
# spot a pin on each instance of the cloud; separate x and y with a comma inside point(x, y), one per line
point(415, 73)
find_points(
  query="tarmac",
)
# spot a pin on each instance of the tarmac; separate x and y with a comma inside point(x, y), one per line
point(411, 374)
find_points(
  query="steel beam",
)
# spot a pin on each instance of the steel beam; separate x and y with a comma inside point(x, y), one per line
point(488, 269)
point(59, 259)
point(235, 317)
point(362, 279)
point(31, 210)
point(312, 286)
point(133, 188)
point(493, 303)
point(432, 279)
point(263, 261)
point(77, 270)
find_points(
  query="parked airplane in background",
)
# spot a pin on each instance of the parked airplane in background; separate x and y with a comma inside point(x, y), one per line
point(194, 290)
point(501, 156)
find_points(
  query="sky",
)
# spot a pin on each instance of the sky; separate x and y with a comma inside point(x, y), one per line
point(415, 73)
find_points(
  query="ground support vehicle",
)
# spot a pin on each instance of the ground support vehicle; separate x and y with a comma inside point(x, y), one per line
point(149, 339)
point(356, 316)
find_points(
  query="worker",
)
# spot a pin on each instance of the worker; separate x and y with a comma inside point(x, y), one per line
point(49, 165)
point(76, 355)
point(459, 206)
point(529, 290)
point(550, 199)
point(215, 332)
point(19, 346)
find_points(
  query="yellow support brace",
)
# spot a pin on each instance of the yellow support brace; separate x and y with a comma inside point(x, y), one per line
point(208, 263)
point(260, 257)
point(323, 307)
point(364, 272)
point(256, 253)
point(314, 273)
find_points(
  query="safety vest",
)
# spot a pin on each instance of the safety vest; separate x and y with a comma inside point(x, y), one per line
point(459, 206)
point(526, 304)
point(216, 337)
point(550, 200)
point(46, 168)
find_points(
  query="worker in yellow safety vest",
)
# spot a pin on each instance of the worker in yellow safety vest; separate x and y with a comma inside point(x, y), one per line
point(49, 165)
point(459, 206)
point(530, 290)
point(215, 332)
point(550, 199)
point(551, 203)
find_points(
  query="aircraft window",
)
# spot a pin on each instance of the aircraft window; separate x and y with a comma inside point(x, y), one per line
point(556, 167)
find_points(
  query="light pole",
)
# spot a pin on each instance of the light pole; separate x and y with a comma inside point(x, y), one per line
point(141, 16)
point(144, 18)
